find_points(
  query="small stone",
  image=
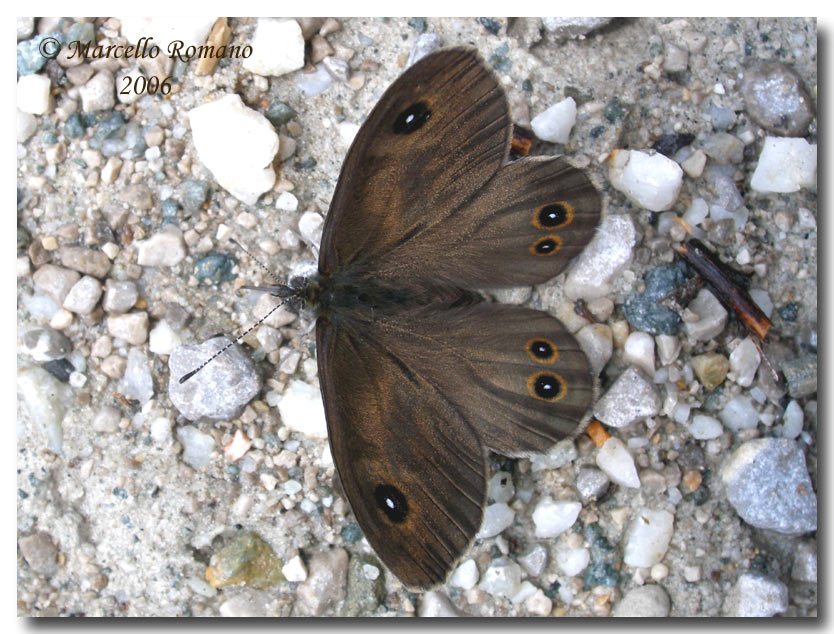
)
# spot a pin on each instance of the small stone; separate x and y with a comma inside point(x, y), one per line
point(286, 202)
point(160, 429)
point(632, 397)
point(591, 484)
point(295, 570)
point(744, 361)
point(221, 389)
point(40, 553)
point(497, 517)
point(310, 226)
point(643, 601)
point(800, 374)
point(337, 68)
point(668, 348)
point(704, 427)
point(554, 518)
point(572, 27)
point(33, 94)
point(137, 382)
point(502, 578)
point(739, 413)
point(722, 118)
point(539, 604)
point(785, 166)
point(46, 344)
point(756, 595)
point(314, 83)
point(46, 400)
point(724, 148)
point(712, 317)
point(131, 327)
point(597, 343)
point(302, 411)
point(278, 48)
point(113, 366)
point(560, 454)
point(319, 49)
point(675, 58)
point(120, 296)
point(572, 561)
point(165, 248)
point(617, 463)
point(425, 44)
point(237, 144)
point(245, 559)
point(99, 93)
point(645, 312)
point(648, 537)
point(792, 420)
point(650, 181)
point(711, 369)
point(192, 194)
point(197, 447)
point(534, 560)
point(500, 487)
point(639, 351)
point(86, 261)
point(163, 339)
point(326, 582)
point(804, 566)
point(768, 485)
point(694, 164)
point(55, 281)
point(83, 296)
point(465, 575)
point(555, 123)
point(249, 603)
point(608, 253)
point(776, 99)
point(437, 604)
point(26, 126)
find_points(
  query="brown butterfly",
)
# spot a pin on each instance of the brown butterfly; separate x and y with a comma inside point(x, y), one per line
point(420, 375)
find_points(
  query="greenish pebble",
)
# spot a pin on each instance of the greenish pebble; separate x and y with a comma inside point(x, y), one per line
point(83, 32)
point(29, 57)
point(170, 208)
point(527, 85)
point(192, 194)
point(74, 126)
point(597, 131)
point(23, 237)
point(490, 25)
point(110, 126)
point(48, 139)
point(279, 113)
point(789, 312)
point(644, 312)
point(499, 60)
point(351, 533)
point(615, 110)
point(90, 119)
point(602, 570)
point(711, 368)
point(215, 267)
point(418, 24)
point(245, 559)
point(363, 594)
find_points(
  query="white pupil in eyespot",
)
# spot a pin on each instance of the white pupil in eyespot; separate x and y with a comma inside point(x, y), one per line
point(409, 118)
point(389, 503)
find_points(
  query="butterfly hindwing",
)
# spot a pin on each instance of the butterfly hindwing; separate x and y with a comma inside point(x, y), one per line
point(413, 471)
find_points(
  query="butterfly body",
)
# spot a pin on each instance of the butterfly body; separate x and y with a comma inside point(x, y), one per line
point(420, 375)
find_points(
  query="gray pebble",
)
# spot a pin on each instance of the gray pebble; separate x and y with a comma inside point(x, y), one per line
point(591, 484)
point(756, 595)
point(192, 194)
point(805, 562)
point(801, 374)
point(326, 581)
point(643, 601)
point(630, 398)
point(87, 261)
point(83, 296)
point(573, 27)
point(424, 45)
point(39, 552)
point(46, 400)
point(120, 296)
point(435, 603)
point(80, 75)
point(131, 327)
point(768, 485)
point(99, 93)
point(719, 178)
point(722, 118)
point(723, 148)
point(364, 593)
point(137, 382)
point(55, 281)
point(337, 68)
point(221, 389)
point(46, 344)
point(776, 99)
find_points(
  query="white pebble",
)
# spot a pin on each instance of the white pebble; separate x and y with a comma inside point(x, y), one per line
point(534, 560)
point(617, 462)
point(497, 517)
point(526, 591)
point(26, 126)
point(648, 538)
point(315, 83)
point(639, 351)
point(160, 429)
point(712, 317)
point(277, 48)
point(286, 202)
point(500, 487)
point(643, 601)
point(555, 123)
point(33, 94)
point(785, 165)
point(697, 212)
point(572, 561)
point(502, 578)
point(651, 181)
point(310, 227)
point(295, 570)
point(197, 446)
point(792, 421)
point(302, 411)
point(597, 343)
point(630, 398)
point(434, 603)
point(756, 595)
point(762, 299)
point(744, 361)
point(465, 575)
point(739, 414)
point(554, 518)
point(606, 255)
point(162, 338)
point(705, 427)
point(539, 604)
point(237, 144)
point(347, 132)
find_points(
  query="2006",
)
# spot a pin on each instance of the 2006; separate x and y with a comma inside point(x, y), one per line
point(141, 84)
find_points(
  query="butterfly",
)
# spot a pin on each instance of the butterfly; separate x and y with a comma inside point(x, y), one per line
point(420, 375)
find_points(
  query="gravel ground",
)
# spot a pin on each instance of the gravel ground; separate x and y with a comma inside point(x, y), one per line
point(114, 519)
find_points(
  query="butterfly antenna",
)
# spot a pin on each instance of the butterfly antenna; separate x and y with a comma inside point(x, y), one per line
point(185, 377)
point(256, 260)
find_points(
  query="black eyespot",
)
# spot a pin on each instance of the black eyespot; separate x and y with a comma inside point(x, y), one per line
point(553, 216)
point(548, 245)
point(392, 502)
point(412, 118)
point(547, 386)
point(542, 350)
